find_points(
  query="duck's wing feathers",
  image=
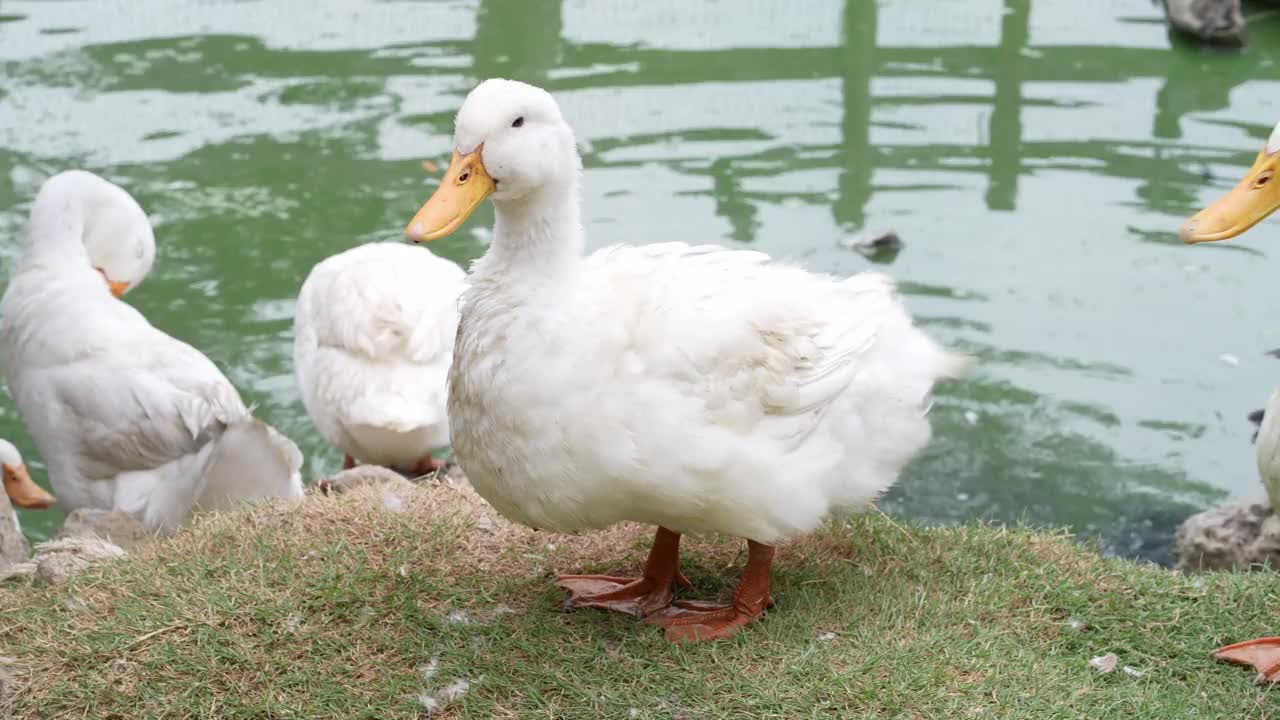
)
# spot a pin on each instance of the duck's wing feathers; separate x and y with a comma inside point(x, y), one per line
point(132, 415)
point(743, 327)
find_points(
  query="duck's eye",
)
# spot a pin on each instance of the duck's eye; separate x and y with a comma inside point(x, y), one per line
point(518, 122)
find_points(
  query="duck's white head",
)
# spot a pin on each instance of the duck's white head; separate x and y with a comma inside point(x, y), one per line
point(18, 485)
point(511, 142)
point(1248, 203)
point(113, 228)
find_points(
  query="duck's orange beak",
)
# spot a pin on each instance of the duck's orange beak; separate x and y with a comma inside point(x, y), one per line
point(117, 289)
point(23, 491)
point(465, 185)
point(1248, 203)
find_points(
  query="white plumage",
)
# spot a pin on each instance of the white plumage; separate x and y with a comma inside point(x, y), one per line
point(125, 416)
point(696, 388)
point(373, 339)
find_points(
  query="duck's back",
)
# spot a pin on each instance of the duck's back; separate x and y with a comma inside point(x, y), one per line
point(374, 334)
point(694, 387)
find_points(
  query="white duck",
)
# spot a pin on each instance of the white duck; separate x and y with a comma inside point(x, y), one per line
point(125, 416)
point(695, 388)
point(1250, 202)
point(373, 339)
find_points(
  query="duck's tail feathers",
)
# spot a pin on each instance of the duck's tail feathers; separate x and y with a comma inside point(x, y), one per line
point(252, 461)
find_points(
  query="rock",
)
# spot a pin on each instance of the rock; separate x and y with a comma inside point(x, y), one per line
point(879, 246)
point(356, 477)
point(1242, 535)
point(117, 527)
point(57, 561)
point(1218, 22)
point(13, 546)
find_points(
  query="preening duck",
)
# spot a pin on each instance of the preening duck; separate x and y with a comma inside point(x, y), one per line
point(124, 416)
point(373, 339)
point(692, 387)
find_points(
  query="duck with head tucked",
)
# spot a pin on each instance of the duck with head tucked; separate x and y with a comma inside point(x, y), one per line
point(373, 338)
point(692, 387)
point(125, 416)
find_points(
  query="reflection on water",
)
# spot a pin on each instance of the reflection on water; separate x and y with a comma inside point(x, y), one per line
point(1035, 157)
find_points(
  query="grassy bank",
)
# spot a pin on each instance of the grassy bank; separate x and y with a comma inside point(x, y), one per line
point(387, 600)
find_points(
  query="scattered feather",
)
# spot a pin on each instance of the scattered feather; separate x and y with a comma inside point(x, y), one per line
point(1104, 663)
point(1230, 359)
point(392, 502)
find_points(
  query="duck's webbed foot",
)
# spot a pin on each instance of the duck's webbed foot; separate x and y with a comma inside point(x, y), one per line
point(697, 621)
point(1263, 654)
point(642, 596)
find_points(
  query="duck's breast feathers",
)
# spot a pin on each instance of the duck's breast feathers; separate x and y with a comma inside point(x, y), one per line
point(383, 301)
point(755, 331)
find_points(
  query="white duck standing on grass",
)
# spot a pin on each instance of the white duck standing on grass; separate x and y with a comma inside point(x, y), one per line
point(694, 388)
point(125, 416)
point(1249, 203)
point(373, 339)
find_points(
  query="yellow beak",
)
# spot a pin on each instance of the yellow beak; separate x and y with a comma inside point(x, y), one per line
point(1249, 203)
point(23, 491)
point(117, 289)
point(465, 185)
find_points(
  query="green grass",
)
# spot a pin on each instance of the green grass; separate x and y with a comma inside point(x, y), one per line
point(344, 608)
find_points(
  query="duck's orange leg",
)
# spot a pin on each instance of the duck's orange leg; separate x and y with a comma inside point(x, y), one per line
point(1263, 654)
point(695, 621)
point(427, 465)
point(641, 596)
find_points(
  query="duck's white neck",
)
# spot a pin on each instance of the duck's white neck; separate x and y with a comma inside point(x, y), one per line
point(539, 233)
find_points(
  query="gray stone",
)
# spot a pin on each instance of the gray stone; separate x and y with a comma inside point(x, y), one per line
point(13, 546)
point(57, 561)
point(1240, 536)
point(118, 527)
point(356, 477)
point(1213, 21)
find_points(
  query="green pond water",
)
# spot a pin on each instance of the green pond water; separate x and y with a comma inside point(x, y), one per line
point(1036, 159)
